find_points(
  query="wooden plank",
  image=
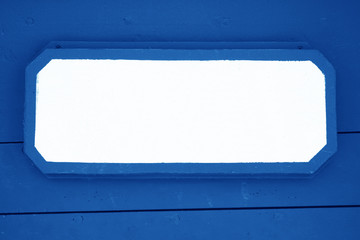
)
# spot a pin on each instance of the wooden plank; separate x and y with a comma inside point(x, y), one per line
point(335, 223)
point(23, 33)
point(25, 189)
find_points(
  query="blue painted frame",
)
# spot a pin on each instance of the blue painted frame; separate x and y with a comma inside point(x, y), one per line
point(158, 170)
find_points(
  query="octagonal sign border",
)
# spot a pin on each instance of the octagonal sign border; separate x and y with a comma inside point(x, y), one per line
point(158, 170)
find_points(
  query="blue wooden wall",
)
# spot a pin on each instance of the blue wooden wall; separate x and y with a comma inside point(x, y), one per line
point(326, 206)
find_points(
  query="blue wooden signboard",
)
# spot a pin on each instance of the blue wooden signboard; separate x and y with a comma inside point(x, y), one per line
point(220, 169)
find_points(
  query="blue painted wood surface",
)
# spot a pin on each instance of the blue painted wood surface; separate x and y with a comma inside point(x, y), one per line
point(329, 26)
point(25, 189)
point(323, 223)
point(177, 170)
point(27, 26)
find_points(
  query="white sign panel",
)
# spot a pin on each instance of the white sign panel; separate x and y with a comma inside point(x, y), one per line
point(166, 111)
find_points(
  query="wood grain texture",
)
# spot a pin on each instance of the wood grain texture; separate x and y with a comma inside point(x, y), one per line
point(328, 26)
point(26, 27)
point(25, 189)
point(339, 223)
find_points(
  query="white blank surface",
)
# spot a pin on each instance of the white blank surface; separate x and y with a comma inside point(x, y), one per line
point(142, 111)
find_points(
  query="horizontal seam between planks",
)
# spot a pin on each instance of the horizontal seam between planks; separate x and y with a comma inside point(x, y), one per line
point(349, 132)
point(17, 142)
point(183, 210)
